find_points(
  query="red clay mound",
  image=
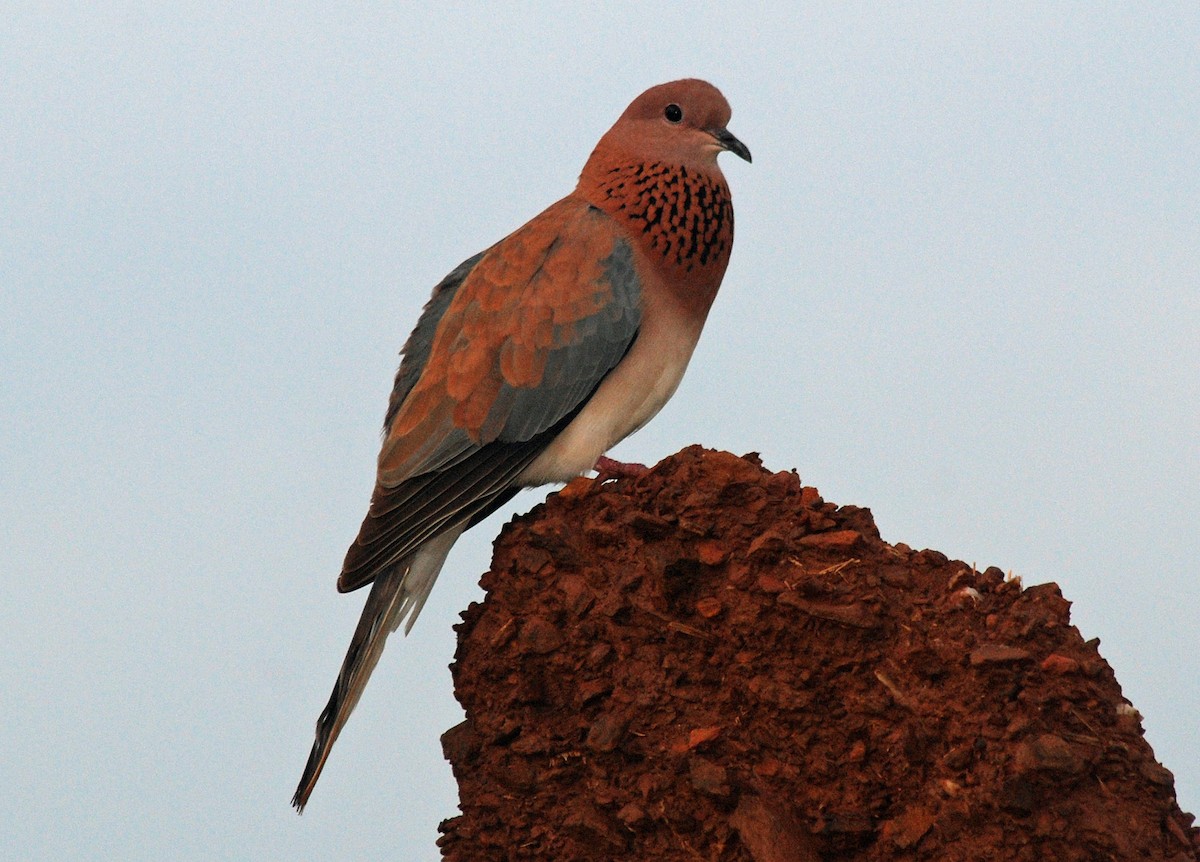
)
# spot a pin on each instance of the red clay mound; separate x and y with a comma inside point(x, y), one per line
point(710, 662)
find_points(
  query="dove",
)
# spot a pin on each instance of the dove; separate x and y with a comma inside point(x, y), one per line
point(536, 356)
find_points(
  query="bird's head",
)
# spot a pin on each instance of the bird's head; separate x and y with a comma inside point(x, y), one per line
point(678, 123)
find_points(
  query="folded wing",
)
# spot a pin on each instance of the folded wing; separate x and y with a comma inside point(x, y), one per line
point(509, 349)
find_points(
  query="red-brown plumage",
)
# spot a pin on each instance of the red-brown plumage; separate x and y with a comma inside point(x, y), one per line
point(534, 358)
point(686, 219)
point(519, 301)
point(663, 183)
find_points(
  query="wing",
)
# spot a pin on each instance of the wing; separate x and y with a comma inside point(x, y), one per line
point(509, 349)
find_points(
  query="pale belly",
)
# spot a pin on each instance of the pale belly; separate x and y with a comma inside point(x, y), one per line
point(628, 398)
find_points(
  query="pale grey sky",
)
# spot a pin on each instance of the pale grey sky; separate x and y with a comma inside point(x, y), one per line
point(964, 293)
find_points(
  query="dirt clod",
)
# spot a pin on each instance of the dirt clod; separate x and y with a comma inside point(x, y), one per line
point(711, 662)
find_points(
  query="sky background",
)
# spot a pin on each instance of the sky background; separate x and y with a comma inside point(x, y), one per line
point(964, 293)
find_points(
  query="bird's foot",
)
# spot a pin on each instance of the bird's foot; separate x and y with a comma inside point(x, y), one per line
point(607, 468)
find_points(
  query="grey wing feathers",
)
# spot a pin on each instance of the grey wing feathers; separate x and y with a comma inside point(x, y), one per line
point(464, 481)
point(419, 345)
point(574, 369)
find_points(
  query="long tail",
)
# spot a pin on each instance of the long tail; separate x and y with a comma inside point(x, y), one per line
point(397, 593)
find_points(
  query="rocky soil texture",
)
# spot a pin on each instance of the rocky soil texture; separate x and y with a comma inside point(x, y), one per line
point(710, 662)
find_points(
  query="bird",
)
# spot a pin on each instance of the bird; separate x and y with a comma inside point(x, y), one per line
point(537, 355)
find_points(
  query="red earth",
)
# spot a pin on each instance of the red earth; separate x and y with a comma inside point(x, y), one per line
point(710, 662)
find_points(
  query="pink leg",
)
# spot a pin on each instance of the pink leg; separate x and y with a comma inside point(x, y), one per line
point(607, 468)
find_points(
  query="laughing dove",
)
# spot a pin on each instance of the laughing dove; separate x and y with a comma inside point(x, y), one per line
point(536, 356)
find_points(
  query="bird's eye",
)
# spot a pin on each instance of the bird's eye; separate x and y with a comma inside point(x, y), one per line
point(673, 113)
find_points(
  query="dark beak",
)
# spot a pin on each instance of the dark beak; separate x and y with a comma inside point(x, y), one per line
point(728, 142)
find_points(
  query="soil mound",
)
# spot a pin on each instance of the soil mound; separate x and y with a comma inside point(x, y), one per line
point(710, 662)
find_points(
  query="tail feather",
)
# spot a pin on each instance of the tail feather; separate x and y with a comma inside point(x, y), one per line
point(397, 593)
